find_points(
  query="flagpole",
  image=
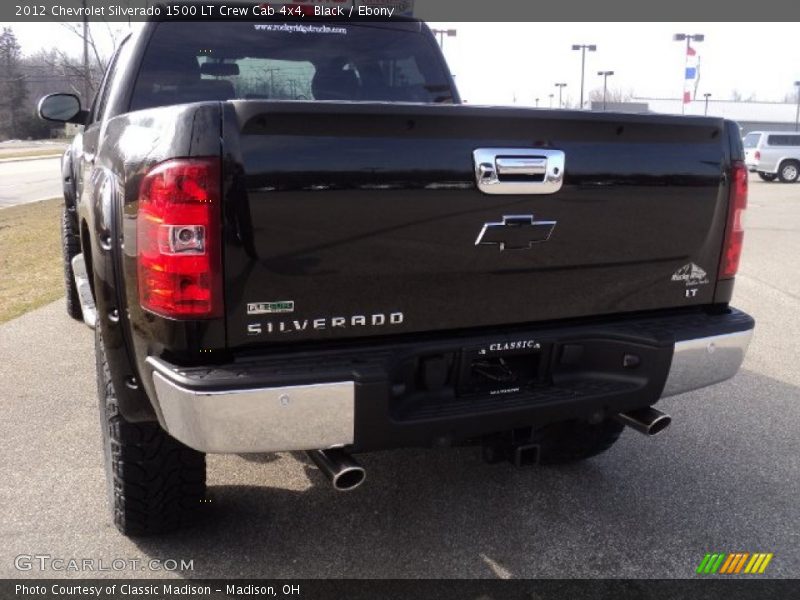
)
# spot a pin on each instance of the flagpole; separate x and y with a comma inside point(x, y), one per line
point(696, 78)
point(688, 37)
point(685, 66)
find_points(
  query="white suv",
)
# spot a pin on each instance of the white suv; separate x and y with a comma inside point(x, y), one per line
point(773, 154)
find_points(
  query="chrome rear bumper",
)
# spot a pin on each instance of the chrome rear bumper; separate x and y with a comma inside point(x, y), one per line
point(322, 415)
point(705, 361)
point(299, 417)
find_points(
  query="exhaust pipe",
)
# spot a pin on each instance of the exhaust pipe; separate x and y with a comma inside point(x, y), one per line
point(339, 467)
point(648, 421)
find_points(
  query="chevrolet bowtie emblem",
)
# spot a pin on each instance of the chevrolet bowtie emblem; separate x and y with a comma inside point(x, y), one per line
point(515, 232)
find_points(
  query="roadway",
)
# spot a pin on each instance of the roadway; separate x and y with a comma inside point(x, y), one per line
point(724, 478)
point(24, 181)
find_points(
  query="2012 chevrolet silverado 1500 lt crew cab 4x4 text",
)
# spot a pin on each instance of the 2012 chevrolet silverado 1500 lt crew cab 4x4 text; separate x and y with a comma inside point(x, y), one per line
point(296, 238)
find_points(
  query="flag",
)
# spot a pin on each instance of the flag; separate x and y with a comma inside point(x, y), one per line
point(690, 79)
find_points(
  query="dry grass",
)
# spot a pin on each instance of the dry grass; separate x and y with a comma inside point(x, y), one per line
point(31, 271)
point(54, 152)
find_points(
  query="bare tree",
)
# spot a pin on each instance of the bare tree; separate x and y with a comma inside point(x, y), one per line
point(79, 80)
point(85, 75)
point(738, 96)
point(613, 94)
point(13, 85)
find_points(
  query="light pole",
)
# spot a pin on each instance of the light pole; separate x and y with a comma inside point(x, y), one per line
point(583, 48)
point(560, 87)
point(551, 100)
point(87, 82)
point(797, 114)
point(706, 96)
point(537, 103)
point(441, 33)
point(689, 37)
point(605, 75)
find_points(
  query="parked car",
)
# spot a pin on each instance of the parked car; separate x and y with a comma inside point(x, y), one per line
point(294, 237)
point(773, 155)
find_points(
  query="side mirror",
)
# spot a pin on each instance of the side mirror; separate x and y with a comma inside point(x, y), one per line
point(62, 108)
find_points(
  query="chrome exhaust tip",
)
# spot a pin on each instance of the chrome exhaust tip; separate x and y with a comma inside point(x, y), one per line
point(648, 421)
point(339, 467)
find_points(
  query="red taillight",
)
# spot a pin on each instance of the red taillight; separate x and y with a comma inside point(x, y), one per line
point(758, 155)
point(178, 239)
point(734, 232)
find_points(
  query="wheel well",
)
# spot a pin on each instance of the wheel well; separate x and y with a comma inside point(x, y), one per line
point(68, 181)
point(86, 248)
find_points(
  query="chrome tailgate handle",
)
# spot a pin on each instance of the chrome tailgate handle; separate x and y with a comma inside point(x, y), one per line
point(520, 166)
point(518, 170)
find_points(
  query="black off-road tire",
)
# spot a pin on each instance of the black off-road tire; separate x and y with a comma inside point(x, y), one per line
point(789, 171)
point(155, 483)
point(767, 176)
point(70, 247)
point(572, 441)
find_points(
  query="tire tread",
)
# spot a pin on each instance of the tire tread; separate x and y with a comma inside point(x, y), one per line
point(157, 483)
point(70, 247)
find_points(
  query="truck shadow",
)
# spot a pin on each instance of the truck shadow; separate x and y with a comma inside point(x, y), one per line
point(724, 477)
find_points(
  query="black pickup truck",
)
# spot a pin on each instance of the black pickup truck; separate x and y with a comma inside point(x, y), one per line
point(295, 237)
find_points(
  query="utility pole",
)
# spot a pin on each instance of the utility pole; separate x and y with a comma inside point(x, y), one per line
point(583, 48)
point(797, 114)
point(605, 75)
point(560, 87)
point(707, 96)
point(441, 33)
point(86, 80)
point(689, 37)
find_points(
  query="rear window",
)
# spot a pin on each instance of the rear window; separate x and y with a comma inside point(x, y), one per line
point(199, 61)
point(783, 140)
point(751, 140)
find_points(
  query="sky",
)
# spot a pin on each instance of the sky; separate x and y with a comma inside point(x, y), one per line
point(494, 63)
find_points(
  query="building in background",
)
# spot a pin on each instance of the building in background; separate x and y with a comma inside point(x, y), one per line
point(751, 116)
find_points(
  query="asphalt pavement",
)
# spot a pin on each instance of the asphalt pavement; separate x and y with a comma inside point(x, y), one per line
point(724, 478)
point(29, 180)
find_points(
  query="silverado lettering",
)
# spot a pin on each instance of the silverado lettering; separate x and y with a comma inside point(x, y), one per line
point(375, 320)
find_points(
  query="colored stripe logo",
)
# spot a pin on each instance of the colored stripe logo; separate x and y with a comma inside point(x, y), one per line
point(733, 564)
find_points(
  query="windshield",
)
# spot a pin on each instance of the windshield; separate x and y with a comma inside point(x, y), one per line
point(751, 140)
point(192, 62)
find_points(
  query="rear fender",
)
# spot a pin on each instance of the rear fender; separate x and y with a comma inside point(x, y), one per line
point(104, 197)
point(783, 159)
point(68, 180)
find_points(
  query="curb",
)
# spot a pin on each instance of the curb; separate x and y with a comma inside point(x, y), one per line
point(25, 158)
point(24, 202)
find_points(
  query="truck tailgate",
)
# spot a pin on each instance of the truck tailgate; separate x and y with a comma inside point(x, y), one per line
point(352, 220)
